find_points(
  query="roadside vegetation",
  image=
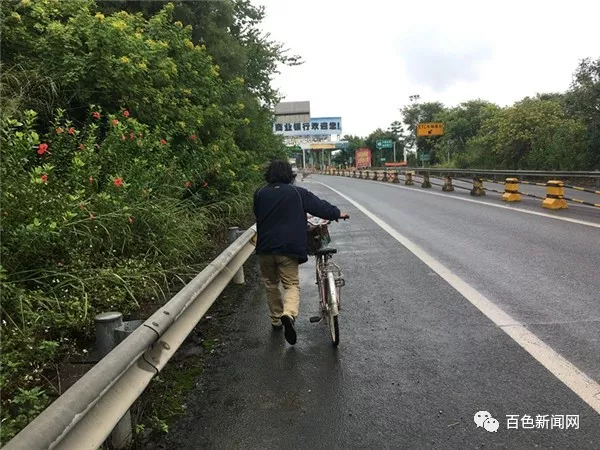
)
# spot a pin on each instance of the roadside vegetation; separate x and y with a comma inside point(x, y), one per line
point(132, 135)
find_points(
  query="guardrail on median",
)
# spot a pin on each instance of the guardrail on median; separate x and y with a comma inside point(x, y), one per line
point(86, 414)
point(554, 199)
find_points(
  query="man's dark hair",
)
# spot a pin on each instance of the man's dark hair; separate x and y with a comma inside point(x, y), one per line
point(279, 172)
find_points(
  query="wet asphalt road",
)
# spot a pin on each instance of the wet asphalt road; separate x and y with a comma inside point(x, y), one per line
point(416, 359)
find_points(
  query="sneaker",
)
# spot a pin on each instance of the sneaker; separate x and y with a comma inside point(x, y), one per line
point(290, 331)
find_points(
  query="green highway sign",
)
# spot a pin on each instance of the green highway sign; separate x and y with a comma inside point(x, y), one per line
point(385, 143)
point(383, 159)
point(294, 147)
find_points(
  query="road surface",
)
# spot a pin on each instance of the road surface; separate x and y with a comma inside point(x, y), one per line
point(451, 307)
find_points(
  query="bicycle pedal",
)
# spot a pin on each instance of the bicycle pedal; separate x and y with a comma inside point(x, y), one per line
point(315, 319)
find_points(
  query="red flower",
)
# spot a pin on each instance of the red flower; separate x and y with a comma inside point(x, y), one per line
point(205, 185)
point(91, 216)
point(91, 180)
point(43, 148)
point(118, 182)
point(193, 137)
point(71, 130)
point(81, 147)
point(123, 138)
point(44, 178)
point(115, 122)
point(130, 219)
point(188, 184)
point(126, 113)
point(163, 142)
point(96, 115)
point(59, 130)
point(132, 136)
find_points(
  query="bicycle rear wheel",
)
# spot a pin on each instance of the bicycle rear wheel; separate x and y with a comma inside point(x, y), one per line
point(332, 310)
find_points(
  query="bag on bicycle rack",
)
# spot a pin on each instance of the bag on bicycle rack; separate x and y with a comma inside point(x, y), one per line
point(318, 237)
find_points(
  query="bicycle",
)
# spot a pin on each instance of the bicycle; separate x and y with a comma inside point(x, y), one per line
point(329, 276)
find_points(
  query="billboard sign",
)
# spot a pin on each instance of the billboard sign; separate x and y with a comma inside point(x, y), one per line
point(430, 129)
point(317, 126)
point(363, 158)
point(384, 143)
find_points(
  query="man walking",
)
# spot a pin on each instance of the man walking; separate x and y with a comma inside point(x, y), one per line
point(280, 209)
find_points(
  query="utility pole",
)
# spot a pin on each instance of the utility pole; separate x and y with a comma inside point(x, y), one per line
point(414, 99)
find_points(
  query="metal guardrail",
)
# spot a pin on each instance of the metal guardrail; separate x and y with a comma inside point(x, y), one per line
point(524, 173)
point(85, 415)
point(554, 186)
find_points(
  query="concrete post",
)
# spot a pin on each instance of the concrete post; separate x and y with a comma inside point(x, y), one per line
point(511, 190)
point(554, 195)
point(448, 187)
point(238, 278)
point(478, 189)
point(426, 182)
point(106, 341)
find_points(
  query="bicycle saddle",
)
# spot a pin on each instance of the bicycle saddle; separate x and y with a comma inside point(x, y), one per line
point(326, 251)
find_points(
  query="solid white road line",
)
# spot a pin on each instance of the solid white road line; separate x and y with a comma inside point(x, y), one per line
point(586, 388)
point(535, 213)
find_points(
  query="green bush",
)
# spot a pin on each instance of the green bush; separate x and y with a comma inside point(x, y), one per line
point(124, 152)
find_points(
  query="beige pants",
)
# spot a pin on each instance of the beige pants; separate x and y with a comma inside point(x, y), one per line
point(275, 269)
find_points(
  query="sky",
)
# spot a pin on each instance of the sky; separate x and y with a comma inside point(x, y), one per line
point(362, 60)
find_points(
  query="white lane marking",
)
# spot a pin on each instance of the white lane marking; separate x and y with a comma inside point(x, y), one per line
point(535, 213)
point(586, 388)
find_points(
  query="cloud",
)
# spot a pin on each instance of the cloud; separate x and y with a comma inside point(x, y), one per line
point(439, 61)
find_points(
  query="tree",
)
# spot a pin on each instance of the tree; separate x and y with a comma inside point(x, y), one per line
point(461, 124)
point(397, 131)
point(531, 134)
point(583, 102)
point(346, 156)
point(419, 113)
point(378, 154)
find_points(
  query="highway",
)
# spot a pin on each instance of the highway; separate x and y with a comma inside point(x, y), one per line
point(453, 305)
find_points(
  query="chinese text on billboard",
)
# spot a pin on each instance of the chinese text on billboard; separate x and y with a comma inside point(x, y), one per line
point(318, 126)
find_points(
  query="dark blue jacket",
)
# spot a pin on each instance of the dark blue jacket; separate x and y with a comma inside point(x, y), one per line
point(280, 211)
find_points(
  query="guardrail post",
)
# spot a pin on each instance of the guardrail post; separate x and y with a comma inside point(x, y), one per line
point(395, 177)
point(554, 195)
point(426, 183)
point(477, 190)
point(106, 340)
point(375, 174)
point(511, 190)
point(409, 179)
point(238, 278)
point(384, 177)
point(447, 184)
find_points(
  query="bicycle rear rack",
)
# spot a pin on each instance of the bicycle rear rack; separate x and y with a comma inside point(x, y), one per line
point(338, 276)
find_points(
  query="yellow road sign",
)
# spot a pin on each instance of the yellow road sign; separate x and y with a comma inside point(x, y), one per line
point(430, 129)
